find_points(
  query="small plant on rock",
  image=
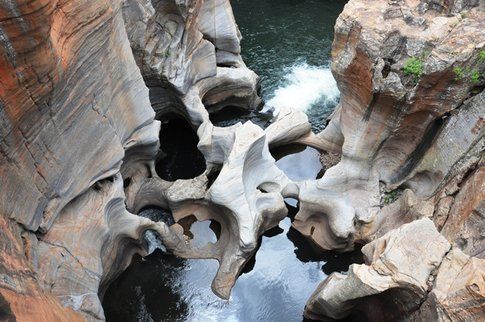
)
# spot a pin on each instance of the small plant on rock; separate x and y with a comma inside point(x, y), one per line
point(481, 56)
point(390, 197)
point(459, 73)
point(414, 66)
point(475, 77)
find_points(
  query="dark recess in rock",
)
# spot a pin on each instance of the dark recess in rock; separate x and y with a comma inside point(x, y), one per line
point(181, 159)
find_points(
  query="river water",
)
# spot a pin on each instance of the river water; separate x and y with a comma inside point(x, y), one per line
point(287, 42)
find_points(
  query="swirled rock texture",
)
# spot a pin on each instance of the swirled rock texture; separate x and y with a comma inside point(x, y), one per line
point(410, 119)
point(409, 128)
point(72, 101)
point(83, 86)
point(78, 132)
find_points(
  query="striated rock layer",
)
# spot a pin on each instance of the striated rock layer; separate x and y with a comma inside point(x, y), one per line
point(410, 132)
point(72, 101)
point(410, 120)
point(85, 84)
point(78, 134)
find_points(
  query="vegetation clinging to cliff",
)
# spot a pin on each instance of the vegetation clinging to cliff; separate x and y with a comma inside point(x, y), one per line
point(414, 66)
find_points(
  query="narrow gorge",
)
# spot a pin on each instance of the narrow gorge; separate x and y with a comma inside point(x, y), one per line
point(243, 160)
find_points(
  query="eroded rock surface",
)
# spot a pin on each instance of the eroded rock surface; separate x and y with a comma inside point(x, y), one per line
point(400, 128)
point(409, 129)
point(72, 100)
point(85, 83)
point(411, 273)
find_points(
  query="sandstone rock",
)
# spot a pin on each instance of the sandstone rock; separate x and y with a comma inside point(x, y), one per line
point(392, 128)
point(72, 100)
point(82, 128)
point(246, 199)
point(21, 297)
point(458, 291)
point(465, 224)
point(79, 136)
point(411, 273)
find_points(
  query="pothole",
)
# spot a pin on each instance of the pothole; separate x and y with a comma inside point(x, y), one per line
point(200, 233)
point(298, 162)
point(229, 116)
point(180, 158)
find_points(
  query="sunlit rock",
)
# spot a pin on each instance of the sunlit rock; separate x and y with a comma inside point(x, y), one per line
point(411, 273)
point(410, 116)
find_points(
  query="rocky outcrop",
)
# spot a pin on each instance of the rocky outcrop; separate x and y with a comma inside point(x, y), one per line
point(82, 86)
point(85, 83)
point(410, 119)
point(409, 129)
point(72, 101)
point(411, 273)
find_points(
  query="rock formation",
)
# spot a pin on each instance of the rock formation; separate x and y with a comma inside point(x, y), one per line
point(410, 119)
point(411, 272)
point(84, 85)
point(79, 138)
point(72, 101)
point(409, 128)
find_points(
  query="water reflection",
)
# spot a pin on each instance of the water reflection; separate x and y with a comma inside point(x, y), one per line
point(298, 162)
point(164, 288)
point(230, 116)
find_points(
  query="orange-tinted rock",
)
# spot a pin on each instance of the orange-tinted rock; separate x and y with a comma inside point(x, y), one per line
point(72, 100)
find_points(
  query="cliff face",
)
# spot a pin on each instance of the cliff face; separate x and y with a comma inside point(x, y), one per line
point(72, 100)
point(75, 114)
point(409, 128)
point(410, 119)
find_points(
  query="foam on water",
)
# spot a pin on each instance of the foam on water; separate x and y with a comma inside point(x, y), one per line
point(303, 87)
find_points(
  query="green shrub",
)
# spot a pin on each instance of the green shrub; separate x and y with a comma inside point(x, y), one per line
point(475, 77)
point(459, 74)
point(481, 56)
point(414, 66)
point(390, 197)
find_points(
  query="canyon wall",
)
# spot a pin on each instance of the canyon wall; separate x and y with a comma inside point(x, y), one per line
point(409, 128)
point(78, 82)
point(72, 102)
point(85, 84)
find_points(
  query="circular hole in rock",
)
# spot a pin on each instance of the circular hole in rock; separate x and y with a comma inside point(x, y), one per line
point(200, 233)
point(180, 158)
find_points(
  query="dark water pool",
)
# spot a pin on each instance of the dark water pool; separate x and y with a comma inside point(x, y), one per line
point(180, 158)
